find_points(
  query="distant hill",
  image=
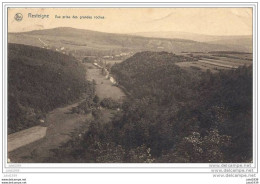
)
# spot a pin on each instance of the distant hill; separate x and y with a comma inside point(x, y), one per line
point(40, 80)
point(242, 43)
point(85, 42)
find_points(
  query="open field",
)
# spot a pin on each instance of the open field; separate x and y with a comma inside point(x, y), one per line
point(218, 62)
point(232, 62)
point(247, 56)
point(198, 66)
point(104, 87)
point(112, 62)
point(235, 61)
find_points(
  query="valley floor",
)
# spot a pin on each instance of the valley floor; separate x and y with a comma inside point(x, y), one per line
point(61, 122)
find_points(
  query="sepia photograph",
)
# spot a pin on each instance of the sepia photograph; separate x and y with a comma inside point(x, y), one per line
point(130, 85)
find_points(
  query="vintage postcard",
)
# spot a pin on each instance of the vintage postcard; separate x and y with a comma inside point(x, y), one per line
point(140, 85)
point(130, 85)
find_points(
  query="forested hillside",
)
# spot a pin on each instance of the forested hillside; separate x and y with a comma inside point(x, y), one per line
point(173, 115)
point(155, 75)
point(40, 80)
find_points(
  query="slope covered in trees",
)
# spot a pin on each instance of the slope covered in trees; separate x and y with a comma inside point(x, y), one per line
point(173, 115)
point(40, 80)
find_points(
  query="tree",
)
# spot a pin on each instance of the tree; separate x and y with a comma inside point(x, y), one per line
point(195, 148)
point(96, 99)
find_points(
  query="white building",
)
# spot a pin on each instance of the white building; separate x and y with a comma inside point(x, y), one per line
point(112, 80)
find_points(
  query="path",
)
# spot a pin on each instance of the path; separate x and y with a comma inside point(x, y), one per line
point(45, 44)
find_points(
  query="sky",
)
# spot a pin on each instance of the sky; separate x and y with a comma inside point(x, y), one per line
point(208, 21)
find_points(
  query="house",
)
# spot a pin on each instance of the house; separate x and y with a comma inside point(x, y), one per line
point(112, 80)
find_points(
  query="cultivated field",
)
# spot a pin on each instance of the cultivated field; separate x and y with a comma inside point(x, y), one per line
point(216, 62)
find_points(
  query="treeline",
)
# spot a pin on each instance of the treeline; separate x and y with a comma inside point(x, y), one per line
point(175, 116)
point(40, 80)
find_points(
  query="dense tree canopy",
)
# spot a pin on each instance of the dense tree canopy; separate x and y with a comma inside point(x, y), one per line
point(172, 116)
